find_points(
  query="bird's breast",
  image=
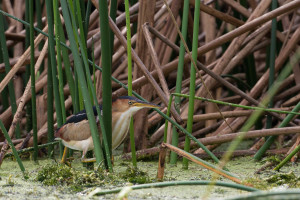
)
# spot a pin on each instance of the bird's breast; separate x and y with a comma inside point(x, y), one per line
point(120, 124)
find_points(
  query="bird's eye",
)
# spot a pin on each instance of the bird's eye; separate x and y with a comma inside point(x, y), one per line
point(130, 102)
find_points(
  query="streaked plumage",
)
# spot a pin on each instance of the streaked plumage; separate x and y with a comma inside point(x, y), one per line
point(76, 134)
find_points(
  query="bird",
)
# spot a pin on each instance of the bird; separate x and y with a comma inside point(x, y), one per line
point(76, 134)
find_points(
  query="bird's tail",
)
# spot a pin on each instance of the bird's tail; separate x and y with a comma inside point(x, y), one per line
point(58, 133)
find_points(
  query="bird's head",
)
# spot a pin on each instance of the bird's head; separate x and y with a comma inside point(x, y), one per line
point(130, 104)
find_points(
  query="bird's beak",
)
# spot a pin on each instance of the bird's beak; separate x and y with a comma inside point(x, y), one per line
point(146, 105)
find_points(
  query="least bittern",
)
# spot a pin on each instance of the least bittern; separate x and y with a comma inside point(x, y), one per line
point(76, 133)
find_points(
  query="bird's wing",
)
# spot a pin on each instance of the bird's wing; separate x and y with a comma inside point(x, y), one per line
point(75, 131)
point(76, 127)
point(82, 115)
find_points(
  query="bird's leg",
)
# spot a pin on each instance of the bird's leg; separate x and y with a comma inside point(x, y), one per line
point(86, 160)
point(63, 159)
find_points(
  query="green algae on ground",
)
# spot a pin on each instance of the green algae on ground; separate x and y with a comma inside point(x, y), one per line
point(258, 183)
point(267, 179)
point(289, 179)
point(244, 167)
point(60, 174)
point(273, 159)
point(136, 176)
point(77, 180)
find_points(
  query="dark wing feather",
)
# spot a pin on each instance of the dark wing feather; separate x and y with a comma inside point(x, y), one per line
point(80, 116)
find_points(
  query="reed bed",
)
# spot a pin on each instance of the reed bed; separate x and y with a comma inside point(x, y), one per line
point(222, 71)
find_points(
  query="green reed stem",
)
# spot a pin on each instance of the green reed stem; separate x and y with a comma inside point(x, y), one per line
point(82, 38)
point(272, 61)
point(192, 81)
point(11, 89)
point(177, 100)
point(272, 58)
point(82, 81)
point(113, 14)
point(271, 139)
point(4, 131)
point(187, 133)
point(177, 183)
point(67, 63)
point(281, 194)
point(129, 59)
point(32, 74)
point(59, 62)
point(4, 93)
point(57, 102)
point(50, 111)
point(106, 74)
point(38, 12)
point(282, 163)
point(28, 127)
point(87, 18)
point(29, 149)
point(107, 150)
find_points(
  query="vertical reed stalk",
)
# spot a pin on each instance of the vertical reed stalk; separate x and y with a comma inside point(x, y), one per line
point(132, 140)
point(113, 14)
point(67, 63)
point(106, 74)
point(82, 81)
point(173, 156)
point(27, 72)
point(87, 18)
point(32, 74)
point(272, 59)
point(4, 93)
point(11, 89)
point(89, 81)
point(192, 80)
point(182, 129)
point(50, 111)
point(80, 12)
point(38, 11)
point(57, 102)
point(59, 63)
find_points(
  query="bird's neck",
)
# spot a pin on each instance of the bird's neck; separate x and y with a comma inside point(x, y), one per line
point(120, 124)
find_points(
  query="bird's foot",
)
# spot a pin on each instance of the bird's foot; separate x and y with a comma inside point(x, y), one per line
point(68, 164)
point(67, 161)
point(70, 159)
point(88, 160)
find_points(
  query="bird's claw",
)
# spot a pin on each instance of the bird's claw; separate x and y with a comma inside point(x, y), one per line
point(88, 160)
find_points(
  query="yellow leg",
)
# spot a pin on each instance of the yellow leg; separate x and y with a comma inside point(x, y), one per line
point(64, 157)
point(88, 160)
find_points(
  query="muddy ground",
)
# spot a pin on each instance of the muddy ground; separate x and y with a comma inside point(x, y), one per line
point(14, 186)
